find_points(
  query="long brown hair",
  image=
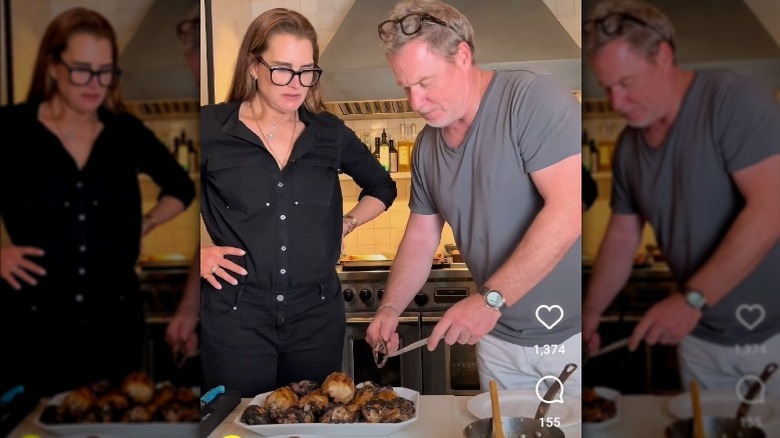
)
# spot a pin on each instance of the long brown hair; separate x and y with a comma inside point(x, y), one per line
point(269, 23)
point(55, 41)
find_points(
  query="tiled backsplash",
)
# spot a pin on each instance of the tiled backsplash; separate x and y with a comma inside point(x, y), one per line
point(383, 234)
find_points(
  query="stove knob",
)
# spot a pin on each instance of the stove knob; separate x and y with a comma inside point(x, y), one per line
point(380, 293)
point(365, 295)
point(349, 295)
point(421, 299)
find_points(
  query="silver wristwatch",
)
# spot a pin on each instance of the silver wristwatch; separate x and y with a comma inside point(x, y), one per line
point(493, 298)
point(696, 300)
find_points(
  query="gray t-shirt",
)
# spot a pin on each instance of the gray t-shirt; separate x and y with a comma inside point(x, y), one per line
point(685, 190)
point(483, 189)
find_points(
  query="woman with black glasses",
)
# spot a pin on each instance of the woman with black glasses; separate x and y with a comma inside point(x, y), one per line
point(272, 311)
point(71, 205)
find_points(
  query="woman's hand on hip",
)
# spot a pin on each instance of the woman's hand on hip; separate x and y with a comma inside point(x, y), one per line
point(213, 264)
point(15, 266)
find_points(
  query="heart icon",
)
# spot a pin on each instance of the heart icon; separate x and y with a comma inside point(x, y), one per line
point(750, 315)
point(549, 315)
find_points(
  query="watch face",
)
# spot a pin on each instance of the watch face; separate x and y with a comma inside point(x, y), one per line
point(494, 299)
point(694, 298)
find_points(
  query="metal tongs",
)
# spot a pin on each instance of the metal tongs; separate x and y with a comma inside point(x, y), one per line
point(381, 355)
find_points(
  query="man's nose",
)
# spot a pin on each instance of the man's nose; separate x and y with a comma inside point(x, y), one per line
point(416, 98)
point(617, 98)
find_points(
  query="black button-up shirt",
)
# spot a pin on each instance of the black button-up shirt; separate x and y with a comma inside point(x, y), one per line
point(88, 221)
point(288, 221)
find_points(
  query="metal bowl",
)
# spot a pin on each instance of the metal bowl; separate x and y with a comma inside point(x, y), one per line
point(717, 427)
point(514, 427)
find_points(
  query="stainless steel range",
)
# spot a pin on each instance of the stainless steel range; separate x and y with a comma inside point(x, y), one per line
point(446, 370)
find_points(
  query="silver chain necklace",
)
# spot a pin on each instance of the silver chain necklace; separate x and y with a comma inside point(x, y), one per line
point(271, 135)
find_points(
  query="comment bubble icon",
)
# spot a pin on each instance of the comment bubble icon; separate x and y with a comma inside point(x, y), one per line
point(549, 381)
point(744, 387)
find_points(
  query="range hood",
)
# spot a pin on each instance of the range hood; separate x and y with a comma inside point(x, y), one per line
point(710, 34)
point(156, 80)
point(508, 34)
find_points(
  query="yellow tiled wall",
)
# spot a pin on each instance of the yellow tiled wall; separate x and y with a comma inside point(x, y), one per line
point(383, 234)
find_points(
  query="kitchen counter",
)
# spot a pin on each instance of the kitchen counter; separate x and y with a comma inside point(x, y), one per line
point(440, 416)
point(445, 416)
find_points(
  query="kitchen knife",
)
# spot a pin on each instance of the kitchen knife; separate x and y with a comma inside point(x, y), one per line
point(409, 347)
point(381, 355)
point(216, 404)
point(611, 347)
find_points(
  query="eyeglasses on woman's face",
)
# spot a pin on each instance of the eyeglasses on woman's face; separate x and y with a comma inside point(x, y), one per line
point(81, 75)
point(309, 76)
point(408, 24)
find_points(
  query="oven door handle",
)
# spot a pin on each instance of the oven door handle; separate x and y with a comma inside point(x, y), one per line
point(431, 318)
point(364, 320)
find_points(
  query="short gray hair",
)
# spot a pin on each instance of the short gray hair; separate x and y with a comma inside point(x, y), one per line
point(646, 39)
point(443, 40)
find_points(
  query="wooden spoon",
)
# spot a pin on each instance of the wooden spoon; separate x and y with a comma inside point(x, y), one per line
point(698, 423)
point(498, 427)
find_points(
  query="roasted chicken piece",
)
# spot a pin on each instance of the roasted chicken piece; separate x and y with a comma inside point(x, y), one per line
point(304, 387)
point(139, 387)
point(162, 395)
point(256, 414)
point(385, 393)
point(112, 403)
point(388, 411)
point(338, 414)
point(180, 412)
point(314, 401)
point(280, 400)
point(136, 414)
point(364, 394)
point(339, 387)
point(296, 415)
point(55, 414)
point(79, 401)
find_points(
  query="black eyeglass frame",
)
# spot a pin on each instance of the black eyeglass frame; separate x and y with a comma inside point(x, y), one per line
point(115, 73)
point(399, 24)
point(618, 30)
point(293, 73)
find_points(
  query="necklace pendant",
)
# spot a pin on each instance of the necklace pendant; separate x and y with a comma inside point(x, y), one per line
point(270, 136)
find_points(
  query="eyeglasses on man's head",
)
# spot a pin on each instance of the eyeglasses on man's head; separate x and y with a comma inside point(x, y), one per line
point(613, 23)
point(284, 75)
point(81, 75)
point(409, 25)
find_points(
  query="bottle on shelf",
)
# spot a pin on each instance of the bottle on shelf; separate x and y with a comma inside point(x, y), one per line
point(404, 150)
point(384, 152)
point(377, 142)
point(606, 147)
point(393, 156)
point(586, 163)
point(182, 151)
point(367, 141)
point(594, 155)
point(412, 139)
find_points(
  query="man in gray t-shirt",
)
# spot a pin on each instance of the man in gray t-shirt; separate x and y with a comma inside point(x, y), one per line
point(499, 160)
point(700, 162)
